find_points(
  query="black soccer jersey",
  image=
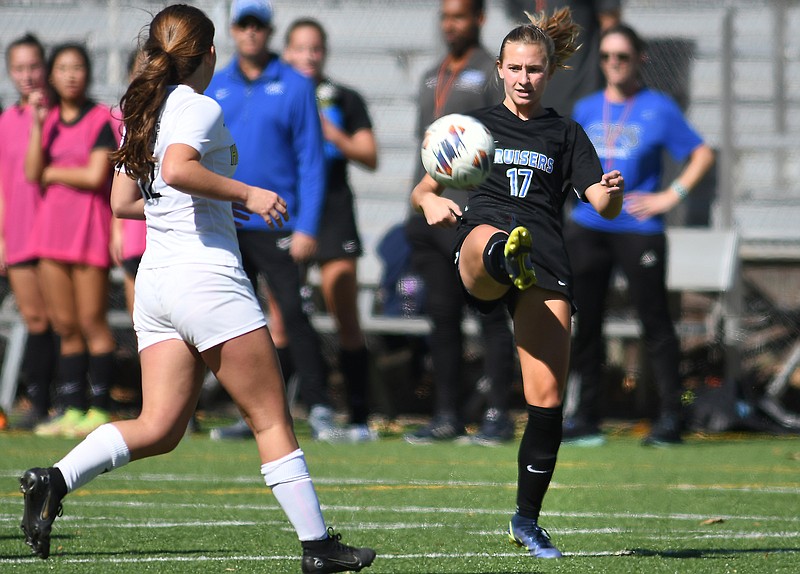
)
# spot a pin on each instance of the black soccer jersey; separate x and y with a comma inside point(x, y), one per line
point(537, 163)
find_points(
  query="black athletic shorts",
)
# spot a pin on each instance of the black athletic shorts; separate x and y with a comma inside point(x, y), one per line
point(22, 264)
point(544, 278)
point(131, 265)
point(338, 237)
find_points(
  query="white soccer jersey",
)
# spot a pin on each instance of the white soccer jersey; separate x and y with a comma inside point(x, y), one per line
point(183, 228)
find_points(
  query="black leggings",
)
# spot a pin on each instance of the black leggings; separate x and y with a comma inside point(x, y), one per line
point(261, 255)
point(432, 259)
point(642, 258)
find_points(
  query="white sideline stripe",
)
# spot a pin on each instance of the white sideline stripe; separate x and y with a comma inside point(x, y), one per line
point(684, 535)
point(733, 488)
point(388, 510)
point(184, 559)
point(104, 522)
point(111, 522)
point(73, 502)
point(240, 558)
point(255, 479)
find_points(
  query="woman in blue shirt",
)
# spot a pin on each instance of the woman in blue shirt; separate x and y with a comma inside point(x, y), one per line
point(630, 126)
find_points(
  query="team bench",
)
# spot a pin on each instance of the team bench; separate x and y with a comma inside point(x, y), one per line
point(700, 260)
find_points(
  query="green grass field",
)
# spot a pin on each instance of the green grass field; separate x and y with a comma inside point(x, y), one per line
point(723, 505)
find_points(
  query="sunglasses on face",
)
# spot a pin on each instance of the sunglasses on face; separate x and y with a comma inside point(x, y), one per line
point(622, 57)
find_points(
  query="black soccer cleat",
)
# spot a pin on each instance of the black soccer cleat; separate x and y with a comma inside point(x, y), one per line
point(330, 555)
point(440, 428)
point(666, 431)
point(42, 506)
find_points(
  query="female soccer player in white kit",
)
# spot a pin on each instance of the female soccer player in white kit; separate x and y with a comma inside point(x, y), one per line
point(194, 306)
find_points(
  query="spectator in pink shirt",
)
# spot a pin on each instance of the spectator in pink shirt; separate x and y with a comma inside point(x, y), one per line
point(19, 203)
point(68, 154)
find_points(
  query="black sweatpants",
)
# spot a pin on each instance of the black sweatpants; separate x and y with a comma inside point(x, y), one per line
point(266, 253)
point(643, 259)
point(432, 259)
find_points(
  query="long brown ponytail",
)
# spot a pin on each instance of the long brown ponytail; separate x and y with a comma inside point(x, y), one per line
point(179, 37)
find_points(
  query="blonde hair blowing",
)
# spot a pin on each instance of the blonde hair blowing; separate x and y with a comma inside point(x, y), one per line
point(557, 33)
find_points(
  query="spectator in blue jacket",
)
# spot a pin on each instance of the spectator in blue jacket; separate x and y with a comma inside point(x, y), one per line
point(271, 111)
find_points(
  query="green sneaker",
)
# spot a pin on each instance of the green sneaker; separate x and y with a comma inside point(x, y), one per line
point(93, 418)
point(62, 425)
point(518, 258)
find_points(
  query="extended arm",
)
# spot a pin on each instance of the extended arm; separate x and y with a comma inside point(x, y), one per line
point(426, 198)
point(181, 169)
point(606, 195)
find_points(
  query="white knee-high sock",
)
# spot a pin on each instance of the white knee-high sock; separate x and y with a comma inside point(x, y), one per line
point(101, 451)
point(291, 484)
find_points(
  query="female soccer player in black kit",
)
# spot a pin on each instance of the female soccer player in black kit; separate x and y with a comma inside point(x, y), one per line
point(509, 248)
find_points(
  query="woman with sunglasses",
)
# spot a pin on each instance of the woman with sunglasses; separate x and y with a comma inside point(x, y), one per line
point(631, 126)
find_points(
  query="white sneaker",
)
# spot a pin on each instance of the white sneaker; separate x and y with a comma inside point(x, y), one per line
point(320, 419)
point(361, 433)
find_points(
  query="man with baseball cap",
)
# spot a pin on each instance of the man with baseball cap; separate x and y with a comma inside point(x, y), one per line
point(261, 10)
point(271, 111)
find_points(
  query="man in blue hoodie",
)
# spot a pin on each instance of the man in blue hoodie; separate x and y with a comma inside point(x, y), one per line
point(271, 111)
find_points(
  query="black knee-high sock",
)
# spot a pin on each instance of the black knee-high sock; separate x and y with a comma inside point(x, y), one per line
point(101, 371)
point(71, 390)
point(538, 451)
point(494, 259)
point(40, 368)
point(355, 369)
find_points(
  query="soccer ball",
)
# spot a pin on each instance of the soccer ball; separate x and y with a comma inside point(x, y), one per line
point(457, 151)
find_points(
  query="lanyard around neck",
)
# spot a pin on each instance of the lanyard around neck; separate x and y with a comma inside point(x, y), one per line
point(443, 87)
point(612, 131)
